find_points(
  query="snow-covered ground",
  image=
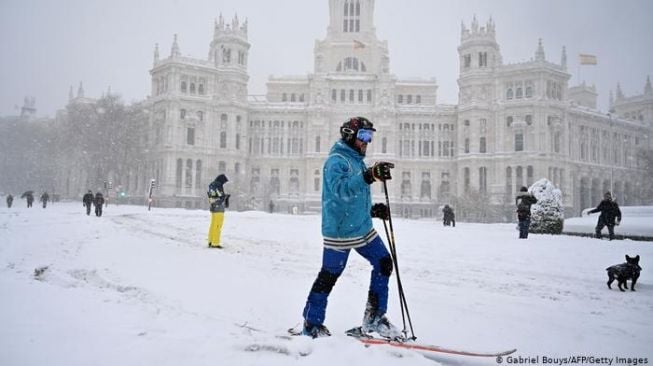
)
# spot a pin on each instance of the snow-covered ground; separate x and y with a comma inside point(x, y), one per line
point(140, 288)
point(636, 220)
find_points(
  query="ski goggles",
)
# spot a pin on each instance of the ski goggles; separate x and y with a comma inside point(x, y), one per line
point(365, 135)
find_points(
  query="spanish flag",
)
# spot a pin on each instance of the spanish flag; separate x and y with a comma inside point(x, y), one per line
point(358, 44)
point(587, 59)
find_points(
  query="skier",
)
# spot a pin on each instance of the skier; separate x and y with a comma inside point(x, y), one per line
point(45, 197)
point(10, 200)
point(87, 201)
point(218, 201)
point(524, 200)
point(99, 202)
point(609, 211)
point(347, 213)
point(449, 218)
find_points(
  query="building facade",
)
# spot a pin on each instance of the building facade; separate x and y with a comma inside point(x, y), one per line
point(514, 124)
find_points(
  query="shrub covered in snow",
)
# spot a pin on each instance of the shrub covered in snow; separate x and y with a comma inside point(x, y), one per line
point(547, 215)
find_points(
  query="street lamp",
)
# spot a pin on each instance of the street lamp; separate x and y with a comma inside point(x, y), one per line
point(611, 154)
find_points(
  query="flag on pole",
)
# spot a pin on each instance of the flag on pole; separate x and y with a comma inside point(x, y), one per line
point(587, 59)
point(358, 44)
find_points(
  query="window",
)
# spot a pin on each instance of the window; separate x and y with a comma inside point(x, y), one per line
point(369, 95)
point(482, 179)
point(180, 167)
point(400, 99)
point(529, 175)
point(360, 95)
point(466, 122)
point(237, 141)
point(509, 93)
point(183, 86)
point(519, 93)
point(556, 142)
point(192, 88)
point(509, 121)
point(342, 95)
point(467, 60)
point(409, 99)
point(200, 89)
point(418, 99)
point(384, 145)
point(482, 59)
point(223, 140)
point(293, 97)
point(482, 147)
point(466, 179)
point(529, 91)
point(529, 119)
point(317, 143)
point(200, 116)
point(198, 174)
point(334, 95)
point(284, 97)
point(182, 114)
point(519, 141)
point(351, 95)
point(190, 136)
point(467, 146)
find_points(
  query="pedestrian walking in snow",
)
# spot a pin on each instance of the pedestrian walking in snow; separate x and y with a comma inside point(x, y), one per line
point(218, 201)
point(610, 211)
point(87, 201)
point(448, 216)
point(524, 201)
point(10, 200)
point(29, 196)
point(45, 197)
point(98, 202)
point(347, 213)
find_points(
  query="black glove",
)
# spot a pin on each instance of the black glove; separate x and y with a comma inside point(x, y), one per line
point(379, 171)
point(226, 201)
point(380, 210)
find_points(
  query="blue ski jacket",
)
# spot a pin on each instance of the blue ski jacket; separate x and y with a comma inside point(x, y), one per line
point(346, 200)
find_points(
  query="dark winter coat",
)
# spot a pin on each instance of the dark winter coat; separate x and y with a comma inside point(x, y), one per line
point(609, 211)
point(88, 198)
point(10, 200)
point(217, 198)
point(448, 214)
point(99, 199)
point(45, 197)
point(524, 200)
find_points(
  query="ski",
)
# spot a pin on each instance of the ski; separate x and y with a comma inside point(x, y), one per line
point(424, 349)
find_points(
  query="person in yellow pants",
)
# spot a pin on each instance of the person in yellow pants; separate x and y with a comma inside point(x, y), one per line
point(218, 201)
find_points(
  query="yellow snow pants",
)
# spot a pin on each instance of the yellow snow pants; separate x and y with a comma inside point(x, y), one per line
point(217, 219)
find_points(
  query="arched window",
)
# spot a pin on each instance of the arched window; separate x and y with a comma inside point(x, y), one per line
point(509, 93)
point(192, 88)
point(351, 64)
point(200, 89)
point(183, 86)
point(529, 91)
point(519, 93)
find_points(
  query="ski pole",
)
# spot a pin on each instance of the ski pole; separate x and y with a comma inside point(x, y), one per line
point(393, 252)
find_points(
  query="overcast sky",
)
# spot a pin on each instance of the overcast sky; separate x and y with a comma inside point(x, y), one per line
point(46, 45)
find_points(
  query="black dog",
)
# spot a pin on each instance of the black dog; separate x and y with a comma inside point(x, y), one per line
point(623, 272)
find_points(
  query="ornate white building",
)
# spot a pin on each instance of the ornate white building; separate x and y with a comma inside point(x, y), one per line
point(514, 124)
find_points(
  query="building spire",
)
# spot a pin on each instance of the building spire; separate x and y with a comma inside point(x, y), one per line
point(156, 53)
point(647, 88)
point(80, 91)
point(563, 59)
point(620, 94)
point(174, 52)
point(539, 54)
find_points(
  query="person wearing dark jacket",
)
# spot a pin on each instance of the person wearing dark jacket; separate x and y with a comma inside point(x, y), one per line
point(45, 197)
point(524, 200)
point(10, 200)
point(609, 212)
point(218, 201)
point(449, 218)
point(29, 196)
point(99, 202)
point(87, 201)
